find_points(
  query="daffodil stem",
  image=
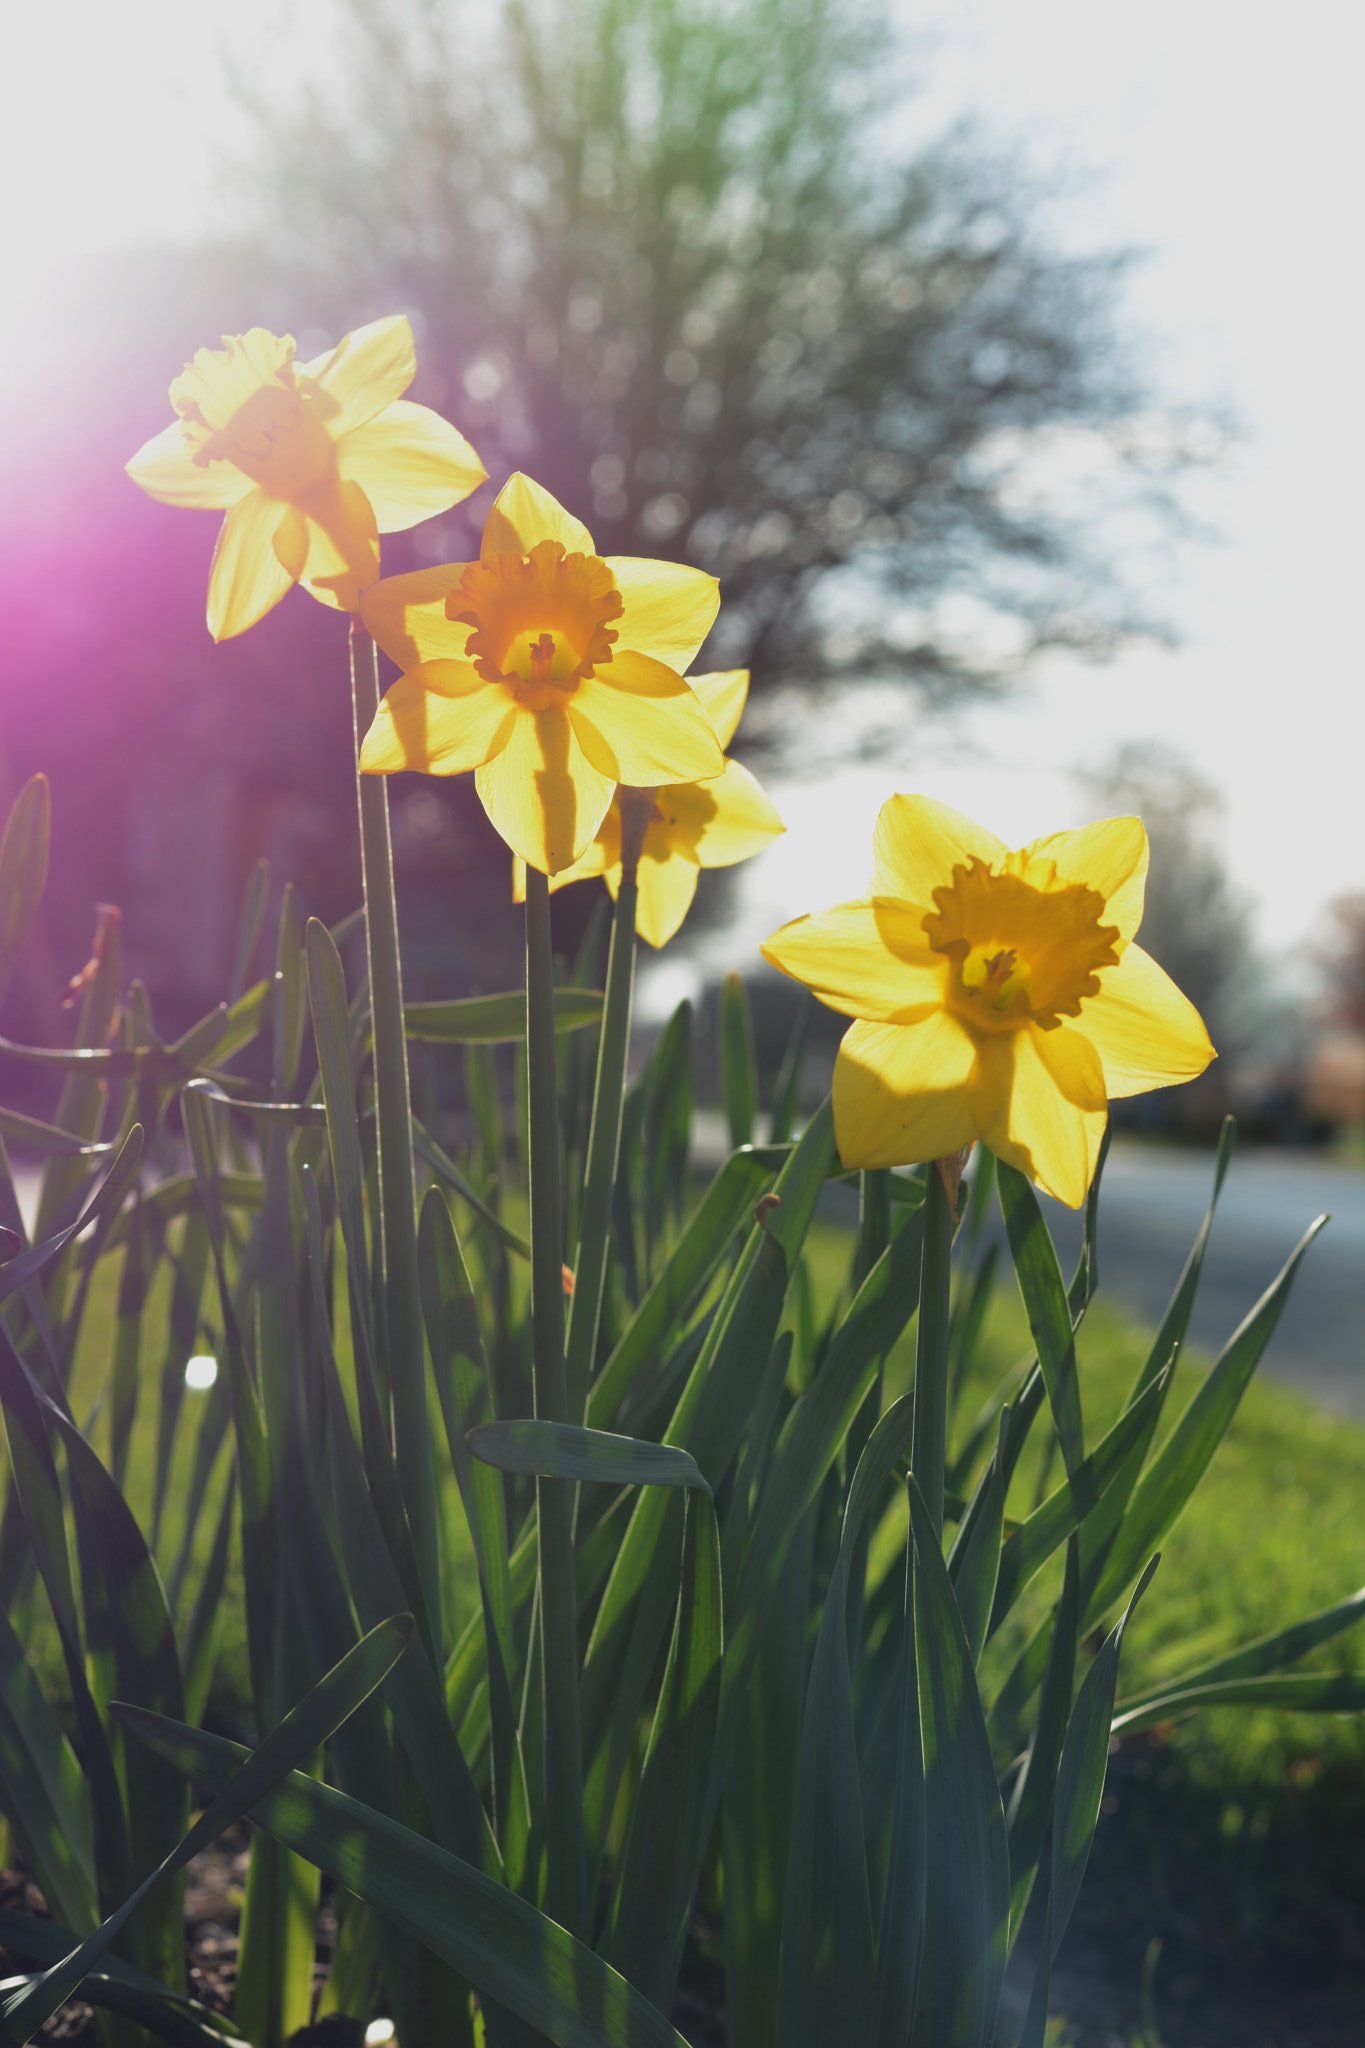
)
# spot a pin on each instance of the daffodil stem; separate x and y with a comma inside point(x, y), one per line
point(874, 1219)
point(604, 1142)
point(930, 1426)
point(396, 1222)
point(565, 1899)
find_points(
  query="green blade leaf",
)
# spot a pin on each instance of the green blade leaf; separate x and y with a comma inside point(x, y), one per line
point(787, 1093)
point(223, 1032)
point(395, 1220)
point(413, 1690)
point(305, 1729)
point(665, 1128)
point(33, 1474)
point(510, 1952)
point(1080, 1776)
point(1033, 1542)
point(814, 1431)
point(1162, 1358)
point(293, 996)
point(45, 1138)
point(118, 1987)
point(249, 926)
point(1305, 1692)
point(759, 1776)
point(44, 1793)
point(496, 1020)
point(974, 1560)
point(297, 1114)
point(558, 1450)
point(1183, 1459)
point(129, 1633)
point(445, 1168)
point(200, 1645)
point(461, 1372)
point(727, 1204)
point(1030, 1810)
point(738, 1065)
point(23, 869)
point(18, 1271)
point(655, 1892)
point(1046, 1305)
point(1258, 1659)
point(828, 1978)
point(900, 1941)
point(967, 1856)
point(331, 1032)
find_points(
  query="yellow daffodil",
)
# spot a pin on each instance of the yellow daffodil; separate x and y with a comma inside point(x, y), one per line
point(552, 673)
point(692, 825)
point(310, 461)
point(999, 995)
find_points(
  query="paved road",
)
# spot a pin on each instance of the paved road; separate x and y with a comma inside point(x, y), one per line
point(1152, 1205)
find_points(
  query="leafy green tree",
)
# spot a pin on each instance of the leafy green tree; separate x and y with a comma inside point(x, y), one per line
point(682, 260)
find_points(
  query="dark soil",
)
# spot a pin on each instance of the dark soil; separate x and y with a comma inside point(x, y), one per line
point(1213, 1921)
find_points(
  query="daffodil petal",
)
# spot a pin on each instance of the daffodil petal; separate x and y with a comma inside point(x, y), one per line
point(1147, 1034)
point(559, 881)
point(918, 843)
point(246, 577)
point(1109, 856)
point(666, 889)
point(215, 383)
point(598, 858)
point(1074, 1065)
point(407, 615)
point(343, 545)
point(164, 470)
point(638, 722)
point(842, 954)
point(1028, 1120)
point(745, 819)
point(723, 693)
point(365, 372)
point(716, 822)
point(410, 463)
point(602, 852)
point(542, 794)
point(668, 609)
point(525, 513)
point(900, 1091)
point(290, 541)
point(441, 718)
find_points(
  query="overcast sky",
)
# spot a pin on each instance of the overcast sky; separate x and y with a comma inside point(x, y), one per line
point(1224, 141)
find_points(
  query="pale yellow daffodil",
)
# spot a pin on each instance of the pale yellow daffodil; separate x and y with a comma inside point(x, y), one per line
point(551, 672)
point(310, 461)
point(692, 825)
point(999, 995)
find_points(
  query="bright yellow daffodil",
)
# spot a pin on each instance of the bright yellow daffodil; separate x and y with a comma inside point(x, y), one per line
point(310, 461)
point(551, 672)
point(693, 825)
point(999, 995)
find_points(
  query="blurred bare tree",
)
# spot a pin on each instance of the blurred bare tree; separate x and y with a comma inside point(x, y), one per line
point(1342, 960)
point(681, 260)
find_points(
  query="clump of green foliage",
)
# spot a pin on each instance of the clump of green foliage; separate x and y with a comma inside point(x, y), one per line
point(775, 1579)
